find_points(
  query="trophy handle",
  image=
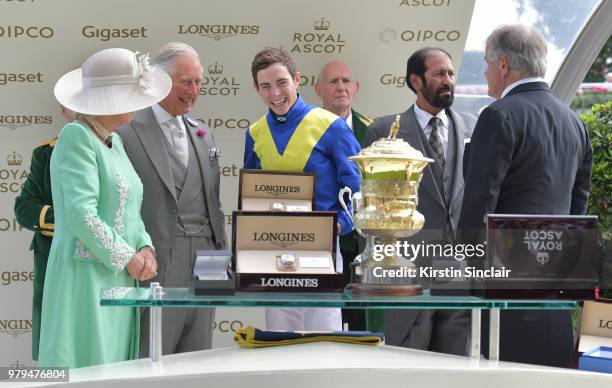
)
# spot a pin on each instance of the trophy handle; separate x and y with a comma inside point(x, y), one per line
point(345, 190)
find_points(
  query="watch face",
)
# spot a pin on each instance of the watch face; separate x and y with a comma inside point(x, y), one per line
point(286, 262)
point(277, 206)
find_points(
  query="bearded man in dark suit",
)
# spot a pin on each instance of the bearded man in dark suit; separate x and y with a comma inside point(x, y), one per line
point(439, 132)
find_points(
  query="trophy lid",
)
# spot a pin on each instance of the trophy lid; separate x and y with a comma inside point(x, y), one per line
point(391, 148)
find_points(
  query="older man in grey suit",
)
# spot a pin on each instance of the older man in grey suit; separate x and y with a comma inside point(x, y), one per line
point(438, 132)
point(177, 161)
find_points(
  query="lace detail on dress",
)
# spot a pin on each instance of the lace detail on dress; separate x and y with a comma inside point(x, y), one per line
point(122, 190)
point(83, 252)
point(120, 254)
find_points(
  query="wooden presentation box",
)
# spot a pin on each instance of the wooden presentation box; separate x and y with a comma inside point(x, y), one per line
point(265, 190)
point(285, 251)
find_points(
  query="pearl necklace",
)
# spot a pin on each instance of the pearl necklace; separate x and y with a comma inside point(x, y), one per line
point(103, 133)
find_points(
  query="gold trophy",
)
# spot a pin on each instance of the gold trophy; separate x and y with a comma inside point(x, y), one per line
point(384, 211)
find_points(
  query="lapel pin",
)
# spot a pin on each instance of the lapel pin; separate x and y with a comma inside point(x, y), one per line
point(191, 121)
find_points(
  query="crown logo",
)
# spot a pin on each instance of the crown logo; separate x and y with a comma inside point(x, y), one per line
point(321, 25)
point(215, 68)
point(17, 365)
point(14, 159)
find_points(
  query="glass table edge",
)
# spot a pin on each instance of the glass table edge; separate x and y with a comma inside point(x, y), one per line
point(184, 297)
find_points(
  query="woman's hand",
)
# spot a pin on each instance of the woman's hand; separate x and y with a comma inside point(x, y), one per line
point(143, 265)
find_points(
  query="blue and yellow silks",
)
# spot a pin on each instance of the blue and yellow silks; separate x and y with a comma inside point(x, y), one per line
point(310, 140)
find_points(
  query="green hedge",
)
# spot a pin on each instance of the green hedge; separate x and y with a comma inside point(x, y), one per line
point(599, 123)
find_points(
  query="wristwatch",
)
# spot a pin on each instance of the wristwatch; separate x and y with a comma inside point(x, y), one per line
point(286, 262)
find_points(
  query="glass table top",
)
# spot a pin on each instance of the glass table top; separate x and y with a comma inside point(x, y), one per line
point(184, 297)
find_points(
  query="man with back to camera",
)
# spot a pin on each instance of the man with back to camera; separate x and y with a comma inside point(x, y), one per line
point(530, 154)
point(434, 128)
point(177, 161)
point(318, 141)
point(337, 88)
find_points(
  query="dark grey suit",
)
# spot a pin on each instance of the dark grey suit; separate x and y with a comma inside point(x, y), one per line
point(530, 154)
point(440, 202)
point(199, 209)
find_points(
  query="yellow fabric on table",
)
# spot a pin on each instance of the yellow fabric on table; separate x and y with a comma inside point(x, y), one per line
point(250, 337)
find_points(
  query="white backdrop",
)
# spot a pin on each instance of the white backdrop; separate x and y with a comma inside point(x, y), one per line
point(41, 40)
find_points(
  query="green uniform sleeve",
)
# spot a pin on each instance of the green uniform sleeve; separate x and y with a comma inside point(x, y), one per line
point(33, 208)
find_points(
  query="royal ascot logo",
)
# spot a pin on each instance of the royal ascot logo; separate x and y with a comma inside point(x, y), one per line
point(30, 32)
point(217, 84)
point(15, 327)
point(8, 278)
point(14, 159)
point(18, 365)
point(13, 177)
point(543, 243)
point(105, 34)
point(218, 31)
point(215, 68)
point(397, 81)
point(320, 41)
point(226, 123)
point(425, 3)
point(14, 365)
point(9, 224)
point(16, 121)
point(389, 34)
point(283, 239)
point(20, 78)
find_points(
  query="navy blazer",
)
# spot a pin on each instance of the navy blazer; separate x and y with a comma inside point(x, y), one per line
point(529, 154)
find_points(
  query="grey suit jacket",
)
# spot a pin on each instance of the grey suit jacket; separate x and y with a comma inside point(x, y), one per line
point(431, 201)
point(144, 144)
point(399, 324)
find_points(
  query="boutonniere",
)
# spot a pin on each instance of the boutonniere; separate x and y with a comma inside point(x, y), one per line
point(195, 124)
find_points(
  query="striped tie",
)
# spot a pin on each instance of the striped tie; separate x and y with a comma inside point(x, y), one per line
point(434, 140)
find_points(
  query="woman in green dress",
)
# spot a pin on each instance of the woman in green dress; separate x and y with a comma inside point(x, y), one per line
point(100, 240)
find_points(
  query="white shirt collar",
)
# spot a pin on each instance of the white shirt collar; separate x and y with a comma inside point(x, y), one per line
point(423, 117)
point(349, 120)
point(162, 116)
point(520, 82)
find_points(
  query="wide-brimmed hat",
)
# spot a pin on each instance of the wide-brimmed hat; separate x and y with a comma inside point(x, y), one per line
point(111, 82)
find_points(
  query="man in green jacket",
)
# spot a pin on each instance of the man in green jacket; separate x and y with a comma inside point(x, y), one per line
point(337, 88)
point(34, 211)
